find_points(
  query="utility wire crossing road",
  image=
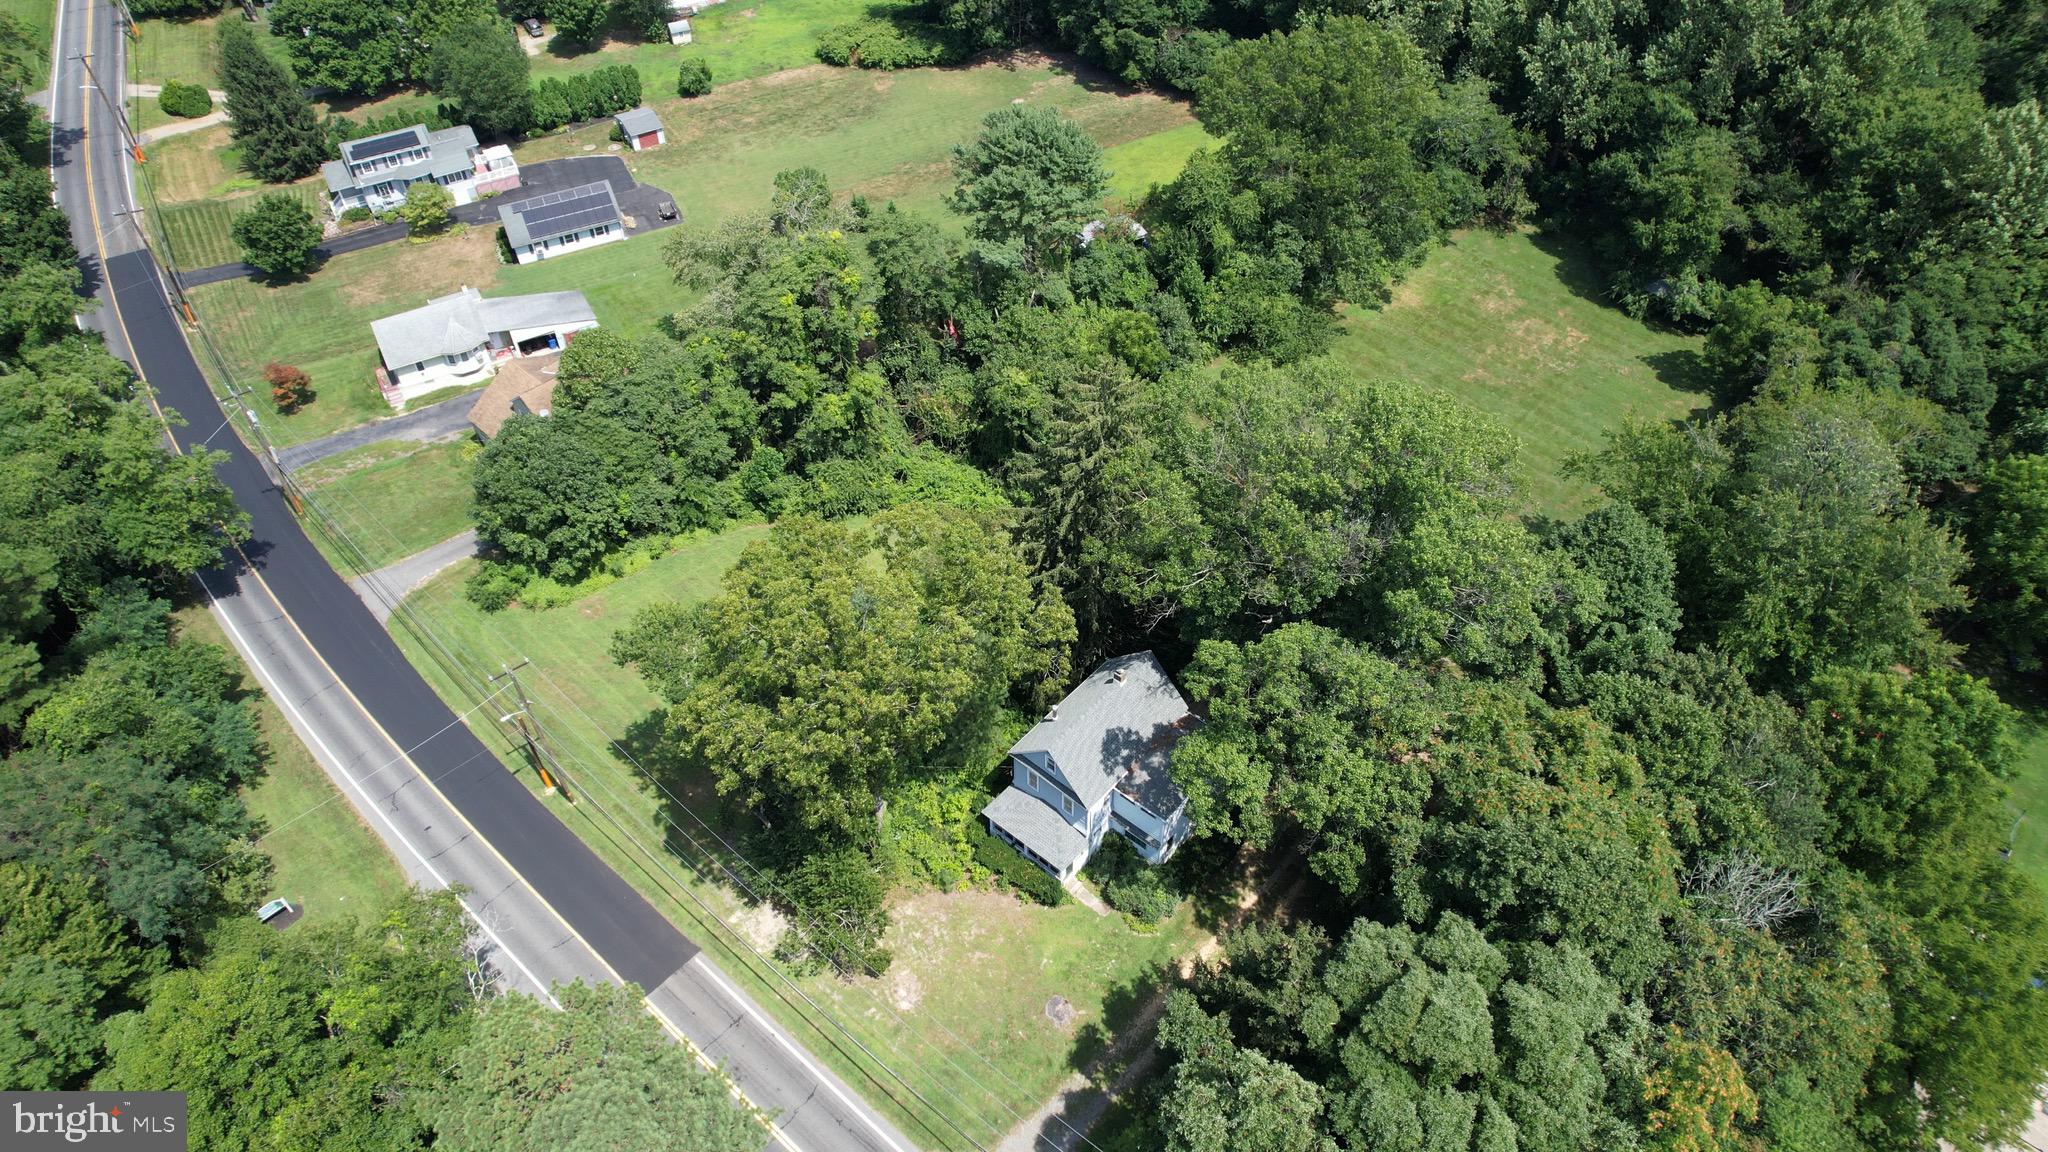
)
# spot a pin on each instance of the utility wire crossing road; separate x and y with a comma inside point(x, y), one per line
point(550, 909)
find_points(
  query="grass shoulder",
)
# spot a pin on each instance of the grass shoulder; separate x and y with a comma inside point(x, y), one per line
point(327, 861)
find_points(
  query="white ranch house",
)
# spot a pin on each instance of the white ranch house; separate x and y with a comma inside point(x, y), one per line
point(1098, 763)
point(373, 173)
point(460, 338)
point(562, 222)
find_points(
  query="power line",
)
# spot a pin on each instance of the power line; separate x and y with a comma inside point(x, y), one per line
point(325, 520)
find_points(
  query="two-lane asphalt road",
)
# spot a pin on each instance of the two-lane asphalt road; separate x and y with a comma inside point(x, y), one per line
point(547, 907)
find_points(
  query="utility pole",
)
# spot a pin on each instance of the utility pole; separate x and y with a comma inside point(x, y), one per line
point(120, 113)
point(529, 730)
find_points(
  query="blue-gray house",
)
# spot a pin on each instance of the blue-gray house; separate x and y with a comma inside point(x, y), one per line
point(1098, 763)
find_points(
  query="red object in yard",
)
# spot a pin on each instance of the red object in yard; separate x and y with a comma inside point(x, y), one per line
point(647, 140)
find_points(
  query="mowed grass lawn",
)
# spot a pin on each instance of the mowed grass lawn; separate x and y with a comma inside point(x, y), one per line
point(322, 323)
point(394, 498)
point(738, 39)
point(202, 232)
point(888, 136)
point(1512, 325)
point(973, 970)
point(2028, 800)
point(326, 860)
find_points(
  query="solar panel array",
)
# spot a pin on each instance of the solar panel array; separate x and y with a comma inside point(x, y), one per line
point(383, 145)
point(557, 213)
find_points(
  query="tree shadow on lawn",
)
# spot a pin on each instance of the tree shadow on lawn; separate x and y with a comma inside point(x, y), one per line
point(1123, 1005)
point(1685, 370)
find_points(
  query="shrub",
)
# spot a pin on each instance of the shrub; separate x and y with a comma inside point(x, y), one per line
point(183, 100)
point(427, 207)
point(1005, 864)
point(551, 104)
point(495, 584)
point(617, 135)
point(887, 44)
point(693, 78)
point(289, 387)
point(357, 215)
point(1131, 886)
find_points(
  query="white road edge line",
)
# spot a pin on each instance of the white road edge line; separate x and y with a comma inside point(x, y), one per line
point(305, 728)
point(819, 1074)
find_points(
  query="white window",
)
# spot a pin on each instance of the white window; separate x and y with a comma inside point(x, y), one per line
point(1036, 784)
point(1067, 804)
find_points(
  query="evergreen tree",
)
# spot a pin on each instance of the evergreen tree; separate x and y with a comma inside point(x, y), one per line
point(269, 117)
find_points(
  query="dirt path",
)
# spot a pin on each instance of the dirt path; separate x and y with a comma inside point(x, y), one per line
point(1061, 1122)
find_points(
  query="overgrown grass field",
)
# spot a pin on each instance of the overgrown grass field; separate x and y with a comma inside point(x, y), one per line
point(1514, 325)
point(326, 860)
point(973, 971)
point(739, 39)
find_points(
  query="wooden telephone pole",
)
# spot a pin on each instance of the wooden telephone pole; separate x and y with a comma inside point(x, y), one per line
point(523, 719)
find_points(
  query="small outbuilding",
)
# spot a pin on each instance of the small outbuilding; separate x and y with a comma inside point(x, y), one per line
point(679, 31)
point(642, 128)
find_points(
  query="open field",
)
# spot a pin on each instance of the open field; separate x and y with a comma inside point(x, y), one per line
point(201, 232)
point(1135, 166)
point(740, 39)
point(327, 861)
point(973, 971)
point(886, 135)
point(1514, 325)
point(889, 136)
point(394, 498)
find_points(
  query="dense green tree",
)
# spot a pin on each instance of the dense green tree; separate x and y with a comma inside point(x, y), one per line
point(1272, 493)
point(1636, 620)
point(582, 21)
point(268, 115)
point(318, 1039)
point(427, 208)
point(47, 1033)
point(541, 495)
point(1798, 540)
point(598, 1074)
point(1762, 342)
point(1318, 126)
point(1219, 1095)
point(2009, 552)
point(277, 236)
point(1027, 183)
point(482, 69)
point(430, 22)
point(900, 639)
point(351, 46)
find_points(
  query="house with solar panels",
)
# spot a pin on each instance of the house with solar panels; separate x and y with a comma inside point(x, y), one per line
point(562, 222)
point(1099, 762)
point(374, 172)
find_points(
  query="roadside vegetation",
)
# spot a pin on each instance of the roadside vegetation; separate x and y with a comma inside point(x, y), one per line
point(1573, 466)
point(145, 786)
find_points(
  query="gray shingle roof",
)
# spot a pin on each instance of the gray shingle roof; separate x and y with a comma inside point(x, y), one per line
point(1108, 733)
point(1037, 827)
point(336, 175)
point(538, 310)
point(635, 121)
point(448, 152)
point(544, 217)
point(458, 322)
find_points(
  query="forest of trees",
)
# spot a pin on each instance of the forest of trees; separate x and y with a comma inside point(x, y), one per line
point(1675, 825)
point(130, 958)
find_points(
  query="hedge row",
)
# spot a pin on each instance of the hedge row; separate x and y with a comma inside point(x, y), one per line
point(1013, 869)
point(584, 96)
